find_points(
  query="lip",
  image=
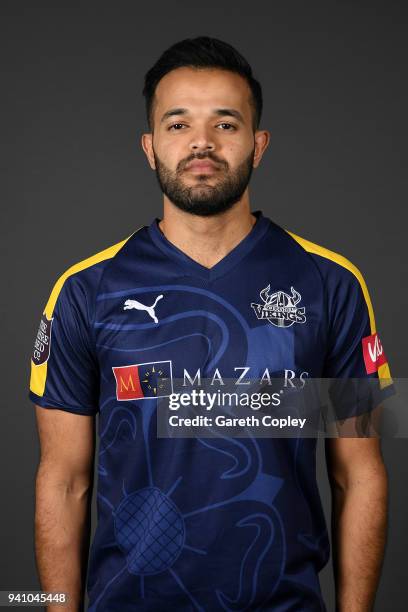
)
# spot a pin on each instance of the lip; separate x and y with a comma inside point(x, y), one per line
point(201, 166)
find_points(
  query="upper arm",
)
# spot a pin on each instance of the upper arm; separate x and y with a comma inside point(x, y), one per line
point(355, 360)
point(67, 443)
point(353, 461)
point(64, 365)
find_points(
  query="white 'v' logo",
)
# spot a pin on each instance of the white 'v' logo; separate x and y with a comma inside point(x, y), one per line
point(375, 351)
point(139, 306)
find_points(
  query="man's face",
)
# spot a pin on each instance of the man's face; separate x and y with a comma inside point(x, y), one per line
point(203, 147)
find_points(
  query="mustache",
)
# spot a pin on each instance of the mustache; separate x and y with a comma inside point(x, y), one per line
point(204, 155)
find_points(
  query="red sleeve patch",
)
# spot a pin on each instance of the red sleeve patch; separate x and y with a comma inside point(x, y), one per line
point(373, 353)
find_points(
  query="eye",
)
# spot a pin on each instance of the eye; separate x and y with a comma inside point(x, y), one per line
point(177, 126)
point(227, 126)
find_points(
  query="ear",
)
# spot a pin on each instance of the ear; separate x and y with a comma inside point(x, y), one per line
point(147, 146)
point(262, 138)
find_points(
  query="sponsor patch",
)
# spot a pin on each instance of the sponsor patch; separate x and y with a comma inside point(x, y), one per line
point(42, 344)
point(373, 353)
point(143, 380)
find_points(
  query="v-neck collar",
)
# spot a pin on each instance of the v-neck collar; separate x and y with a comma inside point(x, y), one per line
point(225, 264)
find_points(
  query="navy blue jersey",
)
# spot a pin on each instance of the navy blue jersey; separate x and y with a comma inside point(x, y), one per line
point(191, 523)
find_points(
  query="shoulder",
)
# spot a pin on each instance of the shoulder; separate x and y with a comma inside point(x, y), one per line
point(340, 276)
point(329, 262)
point(83, 276)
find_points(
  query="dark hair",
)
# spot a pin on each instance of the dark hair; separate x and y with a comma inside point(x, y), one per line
point(201, 52)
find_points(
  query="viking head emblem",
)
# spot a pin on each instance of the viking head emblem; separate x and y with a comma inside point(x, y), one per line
point(280, 308)
point(280, 298)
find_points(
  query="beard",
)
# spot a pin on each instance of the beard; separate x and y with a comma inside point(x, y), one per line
point(202, 198)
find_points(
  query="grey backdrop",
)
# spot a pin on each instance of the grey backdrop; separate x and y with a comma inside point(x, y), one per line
point(75, 180)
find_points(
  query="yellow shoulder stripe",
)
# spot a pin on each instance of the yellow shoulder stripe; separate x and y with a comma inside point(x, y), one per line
point(39, 372)
point(81, 265)
point(311, 247)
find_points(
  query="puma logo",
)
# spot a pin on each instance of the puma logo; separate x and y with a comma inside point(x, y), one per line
point(139, 306)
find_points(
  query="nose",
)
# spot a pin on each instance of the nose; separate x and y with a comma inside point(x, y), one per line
point(201, 140)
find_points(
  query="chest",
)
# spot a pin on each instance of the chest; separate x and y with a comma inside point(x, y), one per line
point(240, 330)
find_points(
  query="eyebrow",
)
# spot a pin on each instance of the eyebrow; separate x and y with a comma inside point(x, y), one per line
point(174, 111)
point(229, 112)
point(220, 112)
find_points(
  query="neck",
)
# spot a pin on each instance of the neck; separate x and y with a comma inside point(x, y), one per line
point(207, 240)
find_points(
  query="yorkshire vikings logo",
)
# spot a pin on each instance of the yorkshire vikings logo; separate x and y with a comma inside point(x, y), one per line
point(280, 308)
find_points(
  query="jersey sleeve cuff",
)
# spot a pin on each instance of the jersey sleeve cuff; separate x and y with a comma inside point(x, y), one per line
point(45, 402)
point(365, 404)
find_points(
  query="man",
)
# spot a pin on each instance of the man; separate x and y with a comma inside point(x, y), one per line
point(210, 290)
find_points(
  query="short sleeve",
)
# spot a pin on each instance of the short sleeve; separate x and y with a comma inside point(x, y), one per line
point(64, 371)
point(355, 358)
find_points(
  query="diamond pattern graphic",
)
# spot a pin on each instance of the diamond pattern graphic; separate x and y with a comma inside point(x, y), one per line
point(150, 530)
